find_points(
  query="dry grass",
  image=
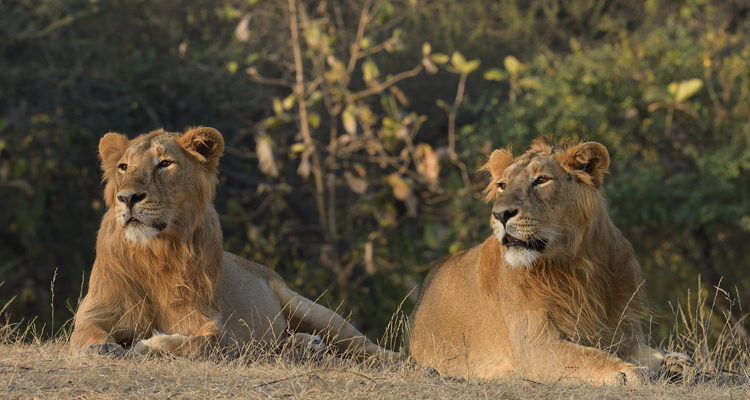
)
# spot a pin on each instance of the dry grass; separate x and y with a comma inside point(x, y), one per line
point(43, 369)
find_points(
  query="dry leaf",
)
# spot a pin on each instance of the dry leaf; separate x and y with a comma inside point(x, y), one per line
point(304, 165)
point(344, 139)
point(400, 96)
point(359, 169)
point(429, 66)
point(429, 166)
point(242, 32)
point(266, 160)
point(357, 185)
point(183, 48)
point(349, 120)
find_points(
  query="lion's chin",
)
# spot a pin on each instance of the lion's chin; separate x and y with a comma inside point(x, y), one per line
point(140, 233)
point(520, 257)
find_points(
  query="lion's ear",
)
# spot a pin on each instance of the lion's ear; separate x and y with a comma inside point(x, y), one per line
point(589, 162)
point(204, 143)
point(111, 147)
point(498, 162)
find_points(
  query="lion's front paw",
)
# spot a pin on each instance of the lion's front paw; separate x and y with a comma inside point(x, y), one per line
point(677, 368)
point(630, 375)
point(138, 350)
point(103, 349)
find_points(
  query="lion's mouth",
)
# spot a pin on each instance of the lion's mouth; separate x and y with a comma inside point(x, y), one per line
point(510, 241)
point(158, 225)
point(133, 221)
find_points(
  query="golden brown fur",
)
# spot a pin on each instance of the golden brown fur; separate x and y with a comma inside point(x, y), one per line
point(555, 293)
point(161, 280)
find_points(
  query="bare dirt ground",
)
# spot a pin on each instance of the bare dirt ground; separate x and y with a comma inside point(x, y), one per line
point(45, 370)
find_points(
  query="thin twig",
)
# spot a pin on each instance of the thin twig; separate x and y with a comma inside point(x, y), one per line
point(382, 86)
point(299, 90)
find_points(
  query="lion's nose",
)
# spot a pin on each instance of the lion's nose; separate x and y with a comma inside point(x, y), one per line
point(505, 215)
point(130, 198)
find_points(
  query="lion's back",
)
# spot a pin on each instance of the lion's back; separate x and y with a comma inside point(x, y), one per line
point(249, 301)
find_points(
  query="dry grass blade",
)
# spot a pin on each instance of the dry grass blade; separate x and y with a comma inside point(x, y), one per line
point(34, 368)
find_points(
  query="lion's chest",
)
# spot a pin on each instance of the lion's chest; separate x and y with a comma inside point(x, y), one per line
point(164, 303)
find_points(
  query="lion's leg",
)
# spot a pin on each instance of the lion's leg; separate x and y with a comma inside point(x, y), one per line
point(196, 345)
point(91, 339)
point(559, 359)
point(92, 336)
point(309, 317)
point(181, 345)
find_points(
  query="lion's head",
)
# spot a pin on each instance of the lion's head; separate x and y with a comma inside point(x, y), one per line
point(546, 199)
point(159, 184)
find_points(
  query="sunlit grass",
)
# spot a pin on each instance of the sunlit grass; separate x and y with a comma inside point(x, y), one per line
point(33, 365)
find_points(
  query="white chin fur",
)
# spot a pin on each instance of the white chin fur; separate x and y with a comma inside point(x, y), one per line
point(519, 257)
point(140, 233)
point(515, 257)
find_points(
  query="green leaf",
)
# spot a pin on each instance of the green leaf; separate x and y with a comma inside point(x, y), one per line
point(314, 98)
point(495, 74)
point(687, 89)
point(471, 66)
point(251, 58)
point(232, 67)
point(672, 88)
point(370, 72)
point(458, 61)
point(314, 120)
point(512, 65)
point(278, 108)
point(385, 12)
point(366, 43)
point(288, 102)
point(426, 49)
point(530, 83)
point(298, 147)
point(439, 58)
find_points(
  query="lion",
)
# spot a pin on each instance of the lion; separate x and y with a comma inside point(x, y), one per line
point(161, 282)
point(555, 293)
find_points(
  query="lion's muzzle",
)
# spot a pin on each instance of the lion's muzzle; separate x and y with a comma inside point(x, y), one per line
point(130, 198)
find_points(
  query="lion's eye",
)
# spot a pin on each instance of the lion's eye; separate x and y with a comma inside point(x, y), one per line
point(541, 180)
point(501, 185)
point(123, 167)
point(165, 164)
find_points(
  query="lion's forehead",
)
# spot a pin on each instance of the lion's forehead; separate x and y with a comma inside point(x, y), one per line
point(154, 146)
point(532, 164)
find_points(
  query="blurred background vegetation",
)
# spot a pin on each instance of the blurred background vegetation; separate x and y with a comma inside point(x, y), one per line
point(353, 130)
